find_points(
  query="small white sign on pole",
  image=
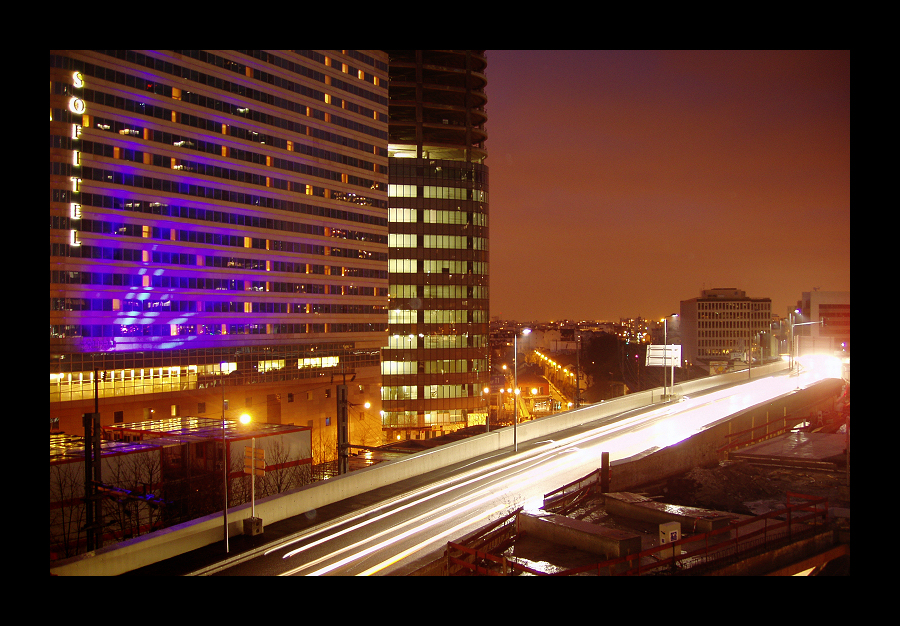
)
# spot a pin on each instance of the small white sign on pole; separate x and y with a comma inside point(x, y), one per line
point(664, 356)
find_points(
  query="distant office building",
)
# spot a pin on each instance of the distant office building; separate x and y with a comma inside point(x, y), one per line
point(832, 310)
point(218, 231)
point(722, 326)
point(436, 363)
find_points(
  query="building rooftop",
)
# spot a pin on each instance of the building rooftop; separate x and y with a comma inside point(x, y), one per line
point(142, 436)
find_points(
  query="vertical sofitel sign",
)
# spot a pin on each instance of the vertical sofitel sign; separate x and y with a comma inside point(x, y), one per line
point(78, 107)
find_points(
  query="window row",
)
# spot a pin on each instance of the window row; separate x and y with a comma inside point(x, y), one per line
point(410, 419)
point(722, 343)
point(440, 193)
point(756, 322)
point(402, 316)
point(441, 242)
point(447, 366)
point(438, 291)
point(435, 216)
point(717, 307)
point(453, 342)
point(64, 277)
point(66, 331)
point(401, 168)
point(429, 391)
point(214, 193)
point(719, 333)
point(192, 236)
point(439, 266)
point(235, 219)
point(347, 352)
point(132, 305)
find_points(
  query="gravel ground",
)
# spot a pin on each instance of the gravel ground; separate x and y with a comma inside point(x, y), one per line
point(750, 489)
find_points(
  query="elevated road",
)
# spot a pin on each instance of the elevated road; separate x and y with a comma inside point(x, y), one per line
point(386, 536)
point(376, 520)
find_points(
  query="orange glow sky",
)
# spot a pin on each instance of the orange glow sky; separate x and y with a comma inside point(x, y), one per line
point(624, 182)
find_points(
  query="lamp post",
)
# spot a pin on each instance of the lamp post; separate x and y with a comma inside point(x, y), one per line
point(525, 331)
point(487, 415)
point(577, 368)
point(667, 358)
point(245, 419)
point(224, 462)
point(666, 352)
point(793, 313)
point(820, 322)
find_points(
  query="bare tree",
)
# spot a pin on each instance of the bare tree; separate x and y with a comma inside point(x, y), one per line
point(287, 476)
point(137, 475)
point(66, 508)
point(323, 447)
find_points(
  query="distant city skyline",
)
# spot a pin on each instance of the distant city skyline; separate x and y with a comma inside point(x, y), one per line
point(625, 182)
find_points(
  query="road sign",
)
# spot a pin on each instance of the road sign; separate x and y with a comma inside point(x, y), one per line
point(254, 461)
point(664, 356)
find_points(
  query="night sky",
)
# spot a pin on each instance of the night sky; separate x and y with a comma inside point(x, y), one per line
point(624, 182)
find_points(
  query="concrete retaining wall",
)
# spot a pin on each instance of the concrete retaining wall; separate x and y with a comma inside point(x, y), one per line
point(701, 450)
point(609, 543)
point(163, 544)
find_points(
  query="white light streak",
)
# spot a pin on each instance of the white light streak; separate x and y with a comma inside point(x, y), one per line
point(625, 437)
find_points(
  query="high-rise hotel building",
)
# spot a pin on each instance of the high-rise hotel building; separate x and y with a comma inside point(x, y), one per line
point(436, 364)
point(219, 231)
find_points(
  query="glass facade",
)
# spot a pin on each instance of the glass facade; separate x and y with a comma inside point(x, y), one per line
point(215, 213)
point(436, 362)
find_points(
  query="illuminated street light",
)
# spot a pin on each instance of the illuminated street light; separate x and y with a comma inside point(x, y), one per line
point(224, 462)
point(820, 322)
point(245, 419)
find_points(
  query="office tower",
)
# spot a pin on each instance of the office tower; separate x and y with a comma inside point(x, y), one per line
point(218, 234)
point(831, 309)
point(722, 326)
point(435, 366)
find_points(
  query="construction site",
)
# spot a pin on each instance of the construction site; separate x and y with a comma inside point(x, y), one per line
point(778, 507)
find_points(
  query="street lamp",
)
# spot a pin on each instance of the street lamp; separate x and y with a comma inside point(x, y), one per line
point(666, 362)
point(224, 461)
point(820, 322)
point(245, 419)
point(525, 331)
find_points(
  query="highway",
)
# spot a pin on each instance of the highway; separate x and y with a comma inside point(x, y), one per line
point(379, 539)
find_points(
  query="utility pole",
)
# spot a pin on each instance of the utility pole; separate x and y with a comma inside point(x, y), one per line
point(577, 368)
point(343, 425)
point(749, 342)
point(224, 459)
point(93, 502)
point(343, 430)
